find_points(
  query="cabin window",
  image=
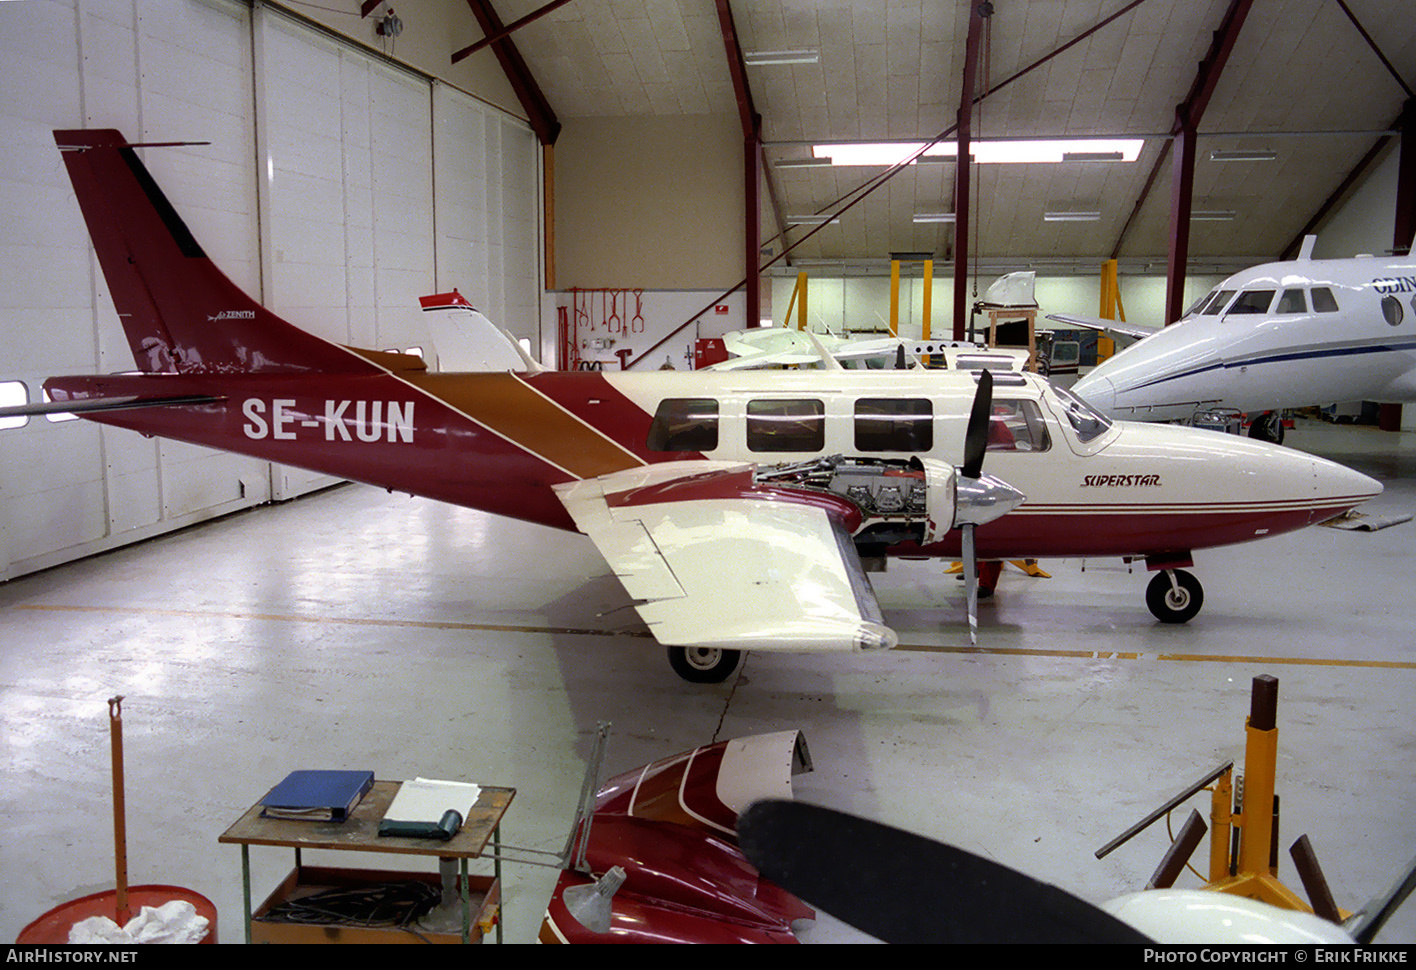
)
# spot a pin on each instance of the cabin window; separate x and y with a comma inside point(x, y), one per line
point(1391, 309)
point(790, 425)
point(1323, 300)
point(1292, 301)
point(894, 424)
point(13, 394)
point(1218, 303)
point(685, 424)
point(1017, 426)
point(1253, 301)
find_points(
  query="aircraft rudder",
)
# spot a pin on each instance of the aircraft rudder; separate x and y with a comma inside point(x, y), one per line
point(181, 313)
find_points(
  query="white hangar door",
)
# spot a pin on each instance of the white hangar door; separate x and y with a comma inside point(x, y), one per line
point(315, 193)
point(69, 487)
point(348, 187)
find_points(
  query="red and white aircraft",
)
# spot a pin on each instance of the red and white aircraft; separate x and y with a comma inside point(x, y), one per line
point(735, 507)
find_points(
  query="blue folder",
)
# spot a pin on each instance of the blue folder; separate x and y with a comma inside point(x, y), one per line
point(317, 795)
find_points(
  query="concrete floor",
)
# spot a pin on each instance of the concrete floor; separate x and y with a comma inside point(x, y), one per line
point(361, 630)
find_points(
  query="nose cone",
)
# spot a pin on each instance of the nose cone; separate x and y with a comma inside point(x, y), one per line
point(1098, 391)
point(984, 499)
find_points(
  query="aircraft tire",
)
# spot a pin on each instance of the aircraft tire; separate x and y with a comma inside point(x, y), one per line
point(1267, 427)
point(1175, 606)
point(704, 665)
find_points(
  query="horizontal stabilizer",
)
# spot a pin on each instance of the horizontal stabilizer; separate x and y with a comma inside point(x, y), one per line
point(124, 403)
point(1101, 323)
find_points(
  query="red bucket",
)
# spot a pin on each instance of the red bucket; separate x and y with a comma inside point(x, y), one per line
point(53, 927)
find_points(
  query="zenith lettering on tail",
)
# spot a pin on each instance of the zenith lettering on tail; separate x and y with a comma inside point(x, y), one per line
point(737, 508)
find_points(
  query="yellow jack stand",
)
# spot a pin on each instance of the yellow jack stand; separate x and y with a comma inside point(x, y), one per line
point(1244, 840)
point(1028, 566)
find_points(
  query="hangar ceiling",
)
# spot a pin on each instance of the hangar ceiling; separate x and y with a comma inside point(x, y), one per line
point(1301, 82)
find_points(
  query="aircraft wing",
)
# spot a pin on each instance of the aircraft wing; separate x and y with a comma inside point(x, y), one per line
point(1100, 323)
point(715, 560)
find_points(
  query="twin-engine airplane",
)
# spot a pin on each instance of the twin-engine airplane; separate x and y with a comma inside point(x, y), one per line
point(1291, 334)
point(735, 507)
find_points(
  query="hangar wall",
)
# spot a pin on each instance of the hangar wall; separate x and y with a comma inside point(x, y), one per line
point(362, 205)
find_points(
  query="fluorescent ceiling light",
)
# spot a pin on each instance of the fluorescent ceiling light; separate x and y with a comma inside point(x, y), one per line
point(759, 58)
point(1243, 155)
point(1093, 157)
point(1212, 215)
point(984, 152)
point(803, 163)
point(813, 220)
point(1071, 216)
point(934, 216)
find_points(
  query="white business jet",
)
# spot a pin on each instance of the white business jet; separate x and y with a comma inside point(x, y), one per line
point(1281, 335)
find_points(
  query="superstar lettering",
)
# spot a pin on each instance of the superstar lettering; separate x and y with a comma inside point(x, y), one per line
point(1121, 481)
point(367, 421)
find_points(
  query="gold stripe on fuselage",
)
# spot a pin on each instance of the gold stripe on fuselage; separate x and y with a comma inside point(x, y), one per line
point(517, 412)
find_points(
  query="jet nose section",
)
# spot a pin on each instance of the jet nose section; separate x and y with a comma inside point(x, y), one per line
point(1098, 391)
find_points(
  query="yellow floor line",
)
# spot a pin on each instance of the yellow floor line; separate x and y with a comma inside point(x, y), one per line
point(582, 631)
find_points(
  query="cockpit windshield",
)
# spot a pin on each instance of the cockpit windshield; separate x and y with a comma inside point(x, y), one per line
point(1199, 304)
point(1087, 422)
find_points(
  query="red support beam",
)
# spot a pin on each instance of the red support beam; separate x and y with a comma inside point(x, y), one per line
point(978, 12)
point(751, 164)
point(1187, 123)
point(538, 110)
point(506, 31)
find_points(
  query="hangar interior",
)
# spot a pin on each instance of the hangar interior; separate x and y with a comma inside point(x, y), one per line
point(259, 618)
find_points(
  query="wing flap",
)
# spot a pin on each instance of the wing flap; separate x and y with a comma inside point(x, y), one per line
point(716, 563)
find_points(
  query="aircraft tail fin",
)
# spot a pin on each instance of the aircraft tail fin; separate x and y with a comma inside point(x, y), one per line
point(180, 312)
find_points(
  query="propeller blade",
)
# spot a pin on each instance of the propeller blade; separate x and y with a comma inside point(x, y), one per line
point(971, 578)
point(976, 437)
point(904, 888)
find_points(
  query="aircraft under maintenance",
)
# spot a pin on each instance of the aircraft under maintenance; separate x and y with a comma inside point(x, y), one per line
point(739, 509)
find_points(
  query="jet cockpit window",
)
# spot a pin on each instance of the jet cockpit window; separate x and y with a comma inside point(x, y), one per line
point(1323, 300)
point(1218, 303)
point(685, 424)
point(894, 424)
point(1088, 423)
point(787, 425)
point(1253, 301)
point(1199, 305)
point(1017, 426)
point(1292, 301)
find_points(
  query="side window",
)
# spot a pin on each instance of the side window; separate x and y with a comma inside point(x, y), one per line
point(1253, 301)
point(894, 424)
point(13, 394)
point(1292, 301)
point(1017, 426)
point(792, 425)
point(685, 424)
point(1323, 300)
point(1221, 299)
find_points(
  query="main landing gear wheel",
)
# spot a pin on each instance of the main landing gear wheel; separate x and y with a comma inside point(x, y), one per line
point(1174, 596)
point(703, 665)
point(1267, 427)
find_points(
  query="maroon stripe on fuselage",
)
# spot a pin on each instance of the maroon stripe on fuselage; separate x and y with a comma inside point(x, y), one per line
point(376, 429)
point(1112, 534)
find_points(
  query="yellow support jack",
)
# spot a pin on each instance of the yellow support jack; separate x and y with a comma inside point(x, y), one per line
point(1028, 566)
point(1244, 837)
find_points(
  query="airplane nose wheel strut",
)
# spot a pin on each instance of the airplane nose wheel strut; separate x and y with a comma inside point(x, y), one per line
point(703, 665)
point(1174, 596)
